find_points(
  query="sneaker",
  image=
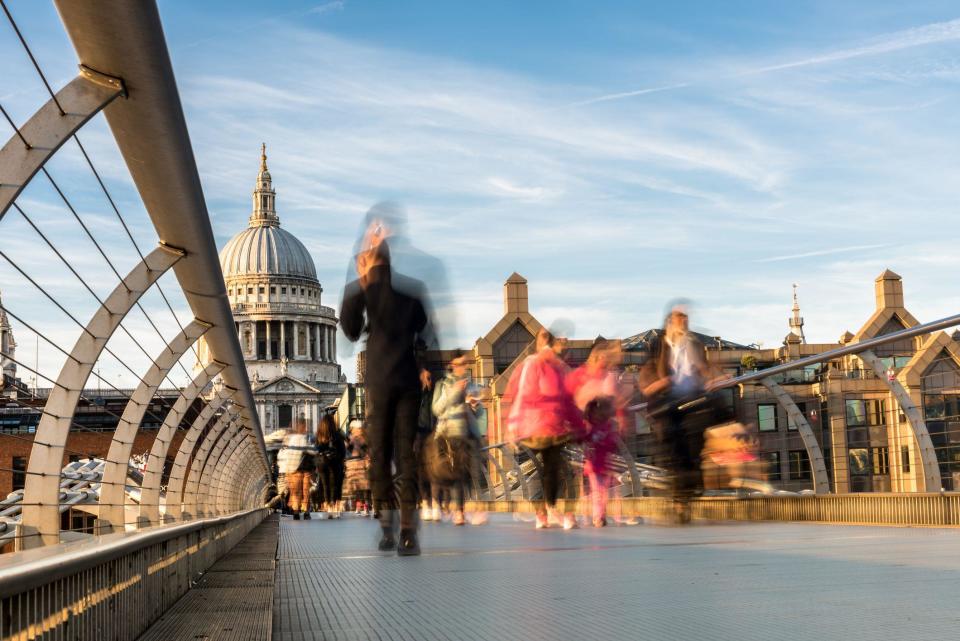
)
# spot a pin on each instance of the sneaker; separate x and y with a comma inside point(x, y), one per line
point(296, 516)
point(554, 519)
point(569, 522)
point(458, 518)
point(542, 521)
point(306, 516)
point(409, 546)
point(600, 522)
point(479, 518)
point(426, 514)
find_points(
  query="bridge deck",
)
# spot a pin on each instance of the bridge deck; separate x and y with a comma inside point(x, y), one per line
point(507, 581)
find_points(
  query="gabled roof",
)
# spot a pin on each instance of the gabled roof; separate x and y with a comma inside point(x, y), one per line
point(912, 373)
point(879, 320)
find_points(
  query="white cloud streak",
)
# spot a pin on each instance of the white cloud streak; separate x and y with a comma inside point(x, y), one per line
point(937, 32)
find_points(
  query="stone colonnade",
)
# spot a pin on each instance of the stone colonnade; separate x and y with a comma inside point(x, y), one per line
point(308, 340)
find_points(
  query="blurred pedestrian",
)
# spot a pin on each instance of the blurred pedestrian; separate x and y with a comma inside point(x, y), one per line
point(544, 418)
point(331, 455)
point(393, 321)
point(597, 392)
point(675, 379)
point(358, 470)
point(455, 438)
point(296, 462)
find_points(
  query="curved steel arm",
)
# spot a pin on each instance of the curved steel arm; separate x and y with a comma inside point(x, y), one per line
point(153, 474)
point(178, 474)
point(196, 503)
point(48, 129)
point(928, 455)
point(112, 495)
point(188, 507)
point(225, 473)
point(125, 40)
point(821, 484)
point(41, 497)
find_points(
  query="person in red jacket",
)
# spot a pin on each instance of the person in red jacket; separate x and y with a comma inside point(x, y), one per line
point(544, 418)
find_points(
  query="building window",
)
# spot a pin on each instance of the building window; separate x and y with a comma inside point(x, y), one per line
point(799, 465)
point(905, 458)
point(273, 291)
point(767, 417)
point(802, 406)
point(865, 413)
point(283, 291)
point(773, 466)
point(302, 290)
point(261, 290)
point(249, 290)
point(19, 467)
point(881, 462)
point(859, 461)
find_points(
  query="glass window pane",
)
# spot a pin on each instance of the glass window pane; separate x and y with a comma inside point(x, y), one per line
point(767, 417)
point(856, 413)
point(773, 466)
point(859, 461)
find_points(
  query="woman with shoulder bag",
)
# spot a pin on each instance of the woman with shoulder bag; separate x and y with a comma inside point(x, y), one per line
point(450, 452)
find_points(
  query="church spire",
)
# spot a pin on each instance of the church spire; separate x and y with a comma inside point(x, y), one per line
point(7, 345)
point(264, 197)
point(796, 321)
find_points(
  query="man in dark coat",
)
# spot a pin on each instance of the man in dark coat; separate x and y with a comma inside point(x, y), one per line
point(391, 310)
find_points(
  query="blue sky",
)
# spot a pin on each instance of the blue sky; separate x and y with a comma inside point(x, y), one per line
point(617, 154)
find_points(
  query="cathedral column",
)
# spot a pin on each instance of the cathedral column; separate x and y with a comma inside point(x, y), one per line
point(269, 351)
point(309, 341)
point(323, 343)
point(283, 339)
point(296, 340)
point(253, 338)
point(333, 344)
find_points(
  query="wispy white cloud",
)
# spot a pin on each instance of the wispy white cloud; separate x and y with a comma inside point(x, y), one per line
point(327, 7)
point(934, 33)
point(821, 252)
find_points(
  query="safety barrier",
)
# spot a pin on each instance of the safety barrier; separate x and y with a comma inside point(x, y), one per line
point(113, 586)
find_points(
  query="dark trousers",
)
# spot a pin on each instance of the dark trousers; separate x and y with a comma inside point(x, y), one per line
point(330, 477)
point(682, 443)
point(391, 431)
point(552, 462)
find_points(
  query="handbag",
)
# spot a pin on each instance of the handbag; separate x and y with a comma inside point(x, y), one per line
point(443, 464)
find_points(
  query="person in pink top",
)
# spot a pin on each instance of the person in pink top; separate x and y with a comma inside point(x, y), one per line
point(543, 417)
point(597, 392)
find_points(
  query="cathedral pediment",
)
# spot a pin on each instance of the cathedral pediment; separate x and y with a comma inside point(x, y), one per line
point(286, 385)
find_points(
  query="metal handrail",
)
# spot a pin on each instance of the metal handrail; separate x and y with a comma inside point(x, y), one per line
point(852, 348)
point(126, 40)
point(27, 570)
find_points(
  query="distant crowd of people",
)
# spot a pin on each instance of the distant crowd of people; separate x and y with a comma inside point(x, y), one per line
point(415, 453)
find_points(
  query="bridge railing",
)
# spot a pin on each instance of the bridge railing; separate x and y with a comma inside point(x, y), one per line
point(207, 457)
point(114, 586)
